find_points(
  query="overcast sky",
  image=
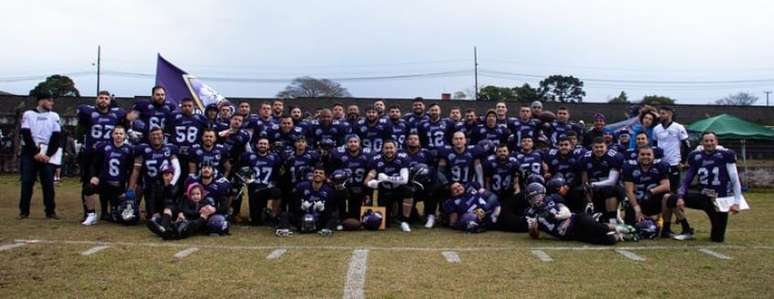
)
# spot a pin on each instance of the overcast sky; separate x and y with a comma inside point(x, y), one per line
point(641, 47)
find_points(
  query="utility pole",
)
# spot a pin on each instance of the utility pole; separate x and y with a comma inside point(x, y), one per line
point(767, 97)
point(99, 49)
point(475, 71)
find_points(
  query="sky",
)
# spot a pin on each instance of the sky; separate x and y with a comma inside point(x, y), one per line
point(693, 51)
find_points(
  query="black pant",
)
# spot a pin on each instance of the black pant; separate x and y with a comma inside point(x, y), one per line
point(718, 220)
point(349, 201)
point(674, 179)
point(30, 169)
point(155, 198)
point(511, 222)
point(585, 229)
point(257, 200)
point(389, 198)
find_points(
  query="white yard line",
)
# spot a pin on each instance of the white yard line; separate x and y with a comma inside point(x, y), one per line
point(542, 255)
point(715, 254)
point(451, 256)
point(277, 253)
point(186, 252)
point(630, 255)
point(94, 250)
point(356, 274)
point(11, 246)
point(372, 248)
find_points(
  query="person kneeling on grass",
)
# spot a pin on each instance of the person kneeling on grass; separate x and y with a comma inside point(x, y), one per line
point(194, 214)
point(473, 210)
point(317, 211)
point(549, 214)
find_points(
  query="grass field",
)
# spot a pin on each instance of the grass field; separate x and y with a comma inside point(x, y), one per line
point(252, 262)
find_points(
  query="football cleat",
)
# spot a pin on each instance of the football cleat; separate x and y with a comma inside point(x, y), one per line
point(325, 232)
point(430, 221)
point(404, 226)
point(283, 232)
point(91, 219)
point(684, 236)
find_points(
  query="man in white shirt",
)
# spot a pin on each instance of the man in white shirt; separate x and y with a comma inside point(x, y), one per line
point(672, 138)
point(41, 135)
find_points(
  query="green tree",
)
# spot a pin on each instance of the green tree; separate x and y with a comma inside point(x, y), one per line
point(496, 93)
point(620, 99)
point(558, 88)
point(526, 93)
point(58, 86)
point(656, 100)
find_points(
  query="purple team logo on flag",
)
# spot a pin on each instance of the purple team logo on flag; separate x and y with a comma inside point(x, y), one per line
point(180, 84)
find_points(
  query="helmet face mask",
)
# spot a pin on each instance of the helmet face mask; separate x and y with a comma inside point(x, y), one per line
point(308, 223)
point(420, 175)
point(535, 193)
point(647, 229)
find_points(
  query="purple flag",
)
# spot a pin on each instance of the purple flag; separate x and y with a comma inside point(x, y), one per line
point(180, 84)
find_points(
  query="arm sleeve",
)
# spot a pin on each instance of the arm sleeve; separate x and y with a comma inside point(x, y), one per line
point(685, 149)
point(733, 175)
point(611, 180)
point(400, 179)
point(479, 174)
point(176, 167)
point(686, 182)
point(54, 143)
point(29, 144)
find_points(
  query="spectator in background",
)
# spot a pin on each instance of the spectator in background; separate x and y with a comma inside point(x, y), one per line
point(537, 108)
point(379, 106)
point(647, 120)
point(596, 131)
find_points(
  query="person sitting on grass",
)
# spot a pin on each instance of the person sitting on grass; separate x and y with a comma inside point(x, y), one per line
point(473, 210)
point(551, 215)
point(192, 215)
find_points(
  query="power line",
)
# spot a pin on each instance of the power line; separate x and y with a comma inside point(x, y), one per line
point(676, 82)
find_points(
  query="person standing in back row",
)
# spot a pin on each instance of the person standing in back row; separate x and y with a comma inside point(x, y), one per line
point(672, 138)
point(41, 134)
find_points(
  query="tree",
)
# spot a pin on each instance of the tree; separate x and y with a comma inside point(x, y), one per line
point(526, 93)
point(459, 95)
point(656, 100)
point(739, 99)
point(620, 99)
point(312, 87)
point(558, 88)
point(496, 93)
point(58, 86)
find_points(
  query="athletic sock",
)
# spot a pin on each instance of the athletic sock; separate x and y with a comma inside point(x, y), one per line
point(667, 226)
point(685, 225)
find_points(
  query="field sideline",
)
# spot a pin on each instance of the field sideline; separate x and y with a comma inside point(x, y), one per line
point(61, 258)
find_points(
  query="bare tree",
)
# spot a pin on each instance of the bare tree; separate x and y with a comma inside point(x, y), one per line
point(459, 95)
point(739, 99)
point(312, 87)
